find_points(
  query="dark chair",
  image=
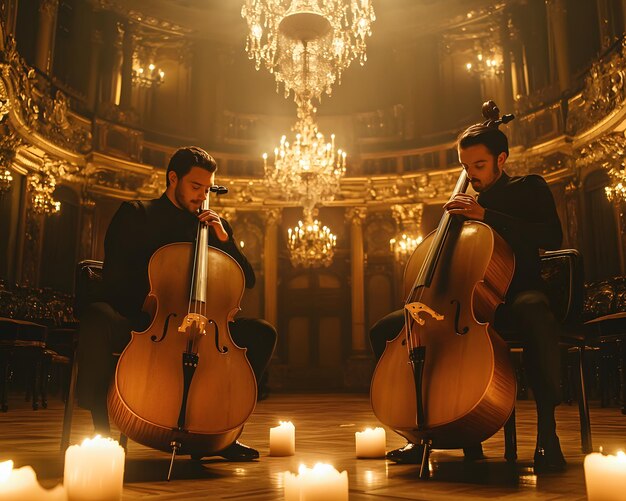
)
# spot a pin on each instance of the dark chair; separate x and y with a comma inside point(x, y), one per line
point(21, 343)
point(562, 271)
point(87, 287)
point(605, 312)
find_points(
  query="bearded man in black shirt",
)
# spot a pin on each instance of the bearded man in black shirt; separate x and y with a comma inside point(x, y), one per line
point(522, 211)
point(136, 231)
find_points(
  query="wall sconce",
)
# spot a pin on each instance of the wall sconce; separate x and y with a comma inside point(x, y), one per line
point(5, 181)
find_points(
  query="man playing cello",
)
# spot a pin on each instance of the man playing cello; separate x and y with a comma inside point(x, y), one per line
point(136, 231)
point(522, 210)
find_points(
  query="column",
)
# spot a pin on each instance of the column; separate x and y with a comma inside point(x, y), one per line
point(605, 26)
point(110, 57)
point(45, 34)
point(128, 48)
point(559, 47)
point(270, 266)
point(506, 81)
point(11, 17)
point(355, 216)
point(87, 227)
point(94, 68)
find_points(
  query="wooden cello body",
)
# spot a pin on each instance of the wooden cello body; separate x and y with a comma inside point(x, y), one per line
point(183, 380)
point(466, 382)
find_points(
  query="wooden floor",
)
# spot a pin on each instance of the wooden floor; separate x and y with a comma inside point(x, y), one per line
point(325, 426)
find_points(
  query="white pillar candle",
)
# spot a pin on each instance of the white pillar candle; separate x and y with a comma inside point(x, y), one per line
point(370, 443)
point(605, 477)
point(21, 484)
point(320, 483)
point(283, 439)
point(94, 470)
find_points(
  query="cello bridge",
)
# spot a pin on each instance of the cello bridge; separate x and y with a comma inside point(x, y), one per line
point(193, 321)
point(416, 308)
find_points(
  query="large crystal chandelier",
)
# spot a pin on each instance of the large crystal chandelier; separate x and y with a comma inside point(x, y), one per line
point(307, 169)
point(307, 44)
point(310, 244)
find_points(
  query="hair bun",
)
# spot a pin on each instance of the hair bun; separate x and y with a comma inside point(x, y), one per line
point(492, 113)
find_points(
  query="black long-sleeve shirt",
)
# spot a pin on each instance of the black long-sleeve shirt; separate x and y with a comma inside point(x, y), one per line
point(136, 231)
point(522, 210)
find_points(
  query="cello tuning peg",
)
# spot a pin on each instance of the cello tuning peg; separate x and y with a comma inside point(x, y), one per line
point(220, 190)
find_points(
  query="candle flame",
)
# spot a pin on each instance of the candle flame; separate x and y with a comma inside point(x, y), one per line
point(6, 467)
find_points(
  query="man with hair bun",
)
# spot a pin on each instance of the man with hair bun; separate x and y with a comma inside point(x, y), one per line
point(522, 210)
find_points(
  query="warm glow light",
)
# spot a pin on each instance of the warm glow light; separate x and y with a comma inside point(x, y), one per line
point(5, 180)
point(616, 191)
point(605, 476)
point(310, 244)
point(308, 169)
point(42, 185)
point(404, 246)
point(322, 481)
point(146, 76)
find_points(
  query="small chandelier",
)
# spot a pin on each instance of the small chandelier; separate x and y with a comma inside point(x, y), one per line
point(146, 75)
point(404, 246)
point(42, 187)
point(309, 168)
point(488, 62)
point(616, 192)
point(307, 44)
point(5, 181)
point(310, 244)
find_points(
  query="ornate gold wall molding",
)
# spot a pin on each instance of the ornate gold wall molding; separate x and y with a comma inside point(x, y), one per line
point(603, 94)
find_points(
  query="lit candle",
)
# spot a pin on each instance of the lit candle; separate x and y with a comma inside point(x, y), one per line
point(320, 483)
point(21, 483)
point(94, 470)
point(605, 477)
point(370, 443)
point(283, 439)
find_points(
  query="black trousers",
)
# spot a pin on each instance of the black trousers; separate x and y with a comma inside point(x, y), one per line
point(103, 332)
point(526, 318)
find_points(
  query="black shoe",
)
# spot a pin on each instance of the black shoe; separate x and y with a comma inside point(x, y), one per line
point(409, 454)
point(239, 452)
point(549, 458)
point(474, 453)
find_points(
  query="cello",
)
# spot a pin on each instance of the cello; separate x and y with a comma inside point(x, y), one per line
point(446, 381)
point(182, 385)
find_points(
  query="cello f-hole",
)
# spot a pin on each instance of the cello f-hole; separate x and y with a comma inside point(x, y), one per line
point(457, 315)
point(221, 349)
point(165, 326)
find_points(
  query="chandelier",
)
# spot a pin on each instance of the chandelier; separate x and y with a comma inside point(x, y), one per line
point(5, 181)
point(409, 218)
point(310, 244)
point(146, 75)
point(307, 169)
point(307, 44)
point(404, 246)
point(488, 62)
point(42, 187)
point(616, 192)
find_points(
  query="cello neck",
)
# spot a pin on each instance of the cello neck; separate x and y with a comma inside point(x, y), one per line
point(427, 271)
point(201, 263)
